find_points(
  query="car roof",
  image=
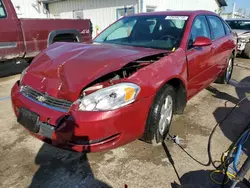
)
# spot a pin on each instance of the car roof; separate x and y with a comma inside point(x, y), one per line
point(179, 13)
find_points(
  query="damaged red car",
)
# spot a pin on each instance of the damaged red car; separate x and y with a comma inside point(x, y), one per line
point(125, 85)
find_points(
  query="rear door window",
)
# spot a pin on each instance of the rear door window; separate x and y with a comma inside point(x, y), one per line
point(2, 10)
point(217, 27)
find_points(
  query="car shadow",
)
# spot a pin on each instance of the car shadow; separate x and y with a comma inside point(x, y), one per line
point(201, 179)
point(232, 127)
point(63, 169)
point(196, 179)
point(11, 68)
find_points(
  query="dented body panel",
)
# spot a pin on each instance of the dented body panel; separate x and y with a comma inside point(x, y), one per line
point(72, 71)
point(71, 66)
point(153, 77)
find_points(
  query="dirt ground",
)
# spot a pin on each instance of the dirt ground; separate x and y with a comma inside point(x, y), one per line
point(27, 162)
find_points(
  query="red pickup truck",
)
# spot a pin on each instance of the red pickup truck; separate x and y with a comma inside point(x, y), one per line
point(25, 38)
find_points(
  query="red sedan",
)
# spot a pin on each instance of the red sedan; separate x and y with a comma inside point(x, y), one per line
point(125, 85)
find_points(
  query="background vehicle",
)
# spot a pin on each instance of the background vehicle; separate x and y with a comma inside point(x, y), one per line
point(25, 38)
point(127, 84)
point(242, 29)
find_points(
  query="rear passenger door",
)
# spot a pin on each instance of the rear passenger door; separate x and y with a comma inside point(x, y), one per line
point(219, 47)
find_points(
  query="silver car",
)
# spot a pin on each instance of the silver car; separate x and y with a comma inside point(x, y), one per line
point(242, 29)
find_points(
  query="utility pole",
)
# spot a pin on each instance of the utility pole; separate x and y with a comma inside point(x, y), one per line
point(233, 12)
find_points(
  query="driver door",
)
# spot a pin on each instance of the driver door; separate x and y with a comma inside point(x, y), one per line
point(199, 59)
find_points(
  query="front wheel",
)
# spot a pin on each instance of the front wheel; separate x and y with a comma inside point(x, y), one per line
point(246, 52)
point(160, 115)
point(226, 77)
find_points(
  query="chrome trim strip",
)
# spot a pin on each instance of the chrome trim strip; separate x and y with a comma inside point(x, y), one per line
point(8, 45)
point(45, 105)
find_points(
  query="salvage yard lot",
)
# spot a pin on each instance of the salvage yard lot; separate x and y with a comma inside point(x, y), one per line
point(27, 162)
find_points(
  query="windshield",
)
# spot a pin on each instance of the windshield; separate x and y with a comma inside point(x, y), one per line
point(239, 24)
point(153, 31)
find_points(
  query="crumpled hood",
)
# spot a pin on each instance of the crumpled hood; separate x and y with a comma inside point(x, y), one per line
point(240, 32)
point(64, 69)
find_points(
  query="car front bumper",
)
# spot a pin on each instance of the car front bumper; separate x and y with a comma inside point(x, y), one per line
point(84, 131)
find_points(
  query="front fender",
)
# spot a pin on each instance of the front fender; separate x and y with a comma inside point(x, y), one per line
point(154, 76)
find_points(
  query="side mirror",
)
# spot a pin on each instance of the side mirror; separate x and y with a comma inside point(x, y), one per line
point(202, 41)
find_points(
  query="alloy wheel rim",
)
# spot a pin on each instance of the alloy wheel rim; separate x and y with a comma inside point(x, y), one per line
point(166, 115)
point(229, 70)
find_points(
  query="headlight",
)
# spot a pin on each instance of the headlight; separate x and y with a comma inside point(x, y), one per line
point(243, 40)
point(22, 74)
point(110, 98)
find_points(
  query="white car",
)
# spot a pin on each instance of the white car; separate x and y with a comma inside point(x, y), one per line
point(242, 28)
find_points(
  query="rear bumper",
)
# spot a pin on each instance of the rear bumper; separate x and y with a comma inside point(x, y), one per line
point(87, 131)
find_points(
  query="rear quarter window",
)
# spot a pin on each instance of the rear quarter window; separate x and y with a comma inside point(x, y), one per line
point(2, 10)
point(217, 27)
point(227, 28)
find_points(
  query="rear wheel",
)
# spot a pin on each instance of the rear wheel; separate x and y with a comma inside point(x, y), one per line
point(226, 77)
point(160, 115)
point(247, 51)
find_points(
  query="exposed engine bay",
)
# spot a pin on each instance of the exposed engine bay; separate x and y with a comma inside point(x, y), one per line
point(125, 72)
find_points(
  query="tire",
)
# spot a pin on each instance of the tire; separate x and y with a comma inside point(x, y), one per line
point(226, 77)
point(155, 133)
point(246, 52)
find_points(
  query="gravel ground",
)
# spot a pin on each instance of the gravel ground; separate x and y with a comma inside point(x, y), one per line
point(27, 162)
